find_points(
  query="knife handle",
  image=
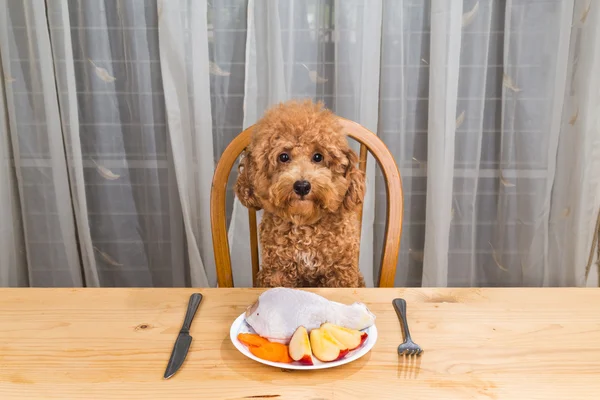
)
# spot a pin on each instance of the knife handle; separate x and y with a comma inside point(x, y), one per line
point(193, 304)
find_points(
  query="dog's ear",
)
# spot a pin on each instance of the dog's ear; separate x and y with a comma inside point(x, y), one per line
point(356, 182)
point(244, 187)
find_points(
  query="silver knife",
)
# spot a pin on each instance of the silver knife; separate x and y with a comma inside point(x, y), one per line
point(184, 340)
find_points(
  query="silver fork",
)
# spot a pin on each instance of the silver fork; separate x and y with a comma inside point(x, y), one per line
point(408, 347)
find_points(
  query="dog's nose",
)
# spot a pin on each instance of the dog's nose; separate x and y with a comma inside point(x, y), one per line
point(302, 188)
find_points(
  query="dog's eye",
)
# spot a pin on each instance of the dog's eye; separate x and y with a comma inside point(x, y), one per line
point(284, 157)
point(318, 157)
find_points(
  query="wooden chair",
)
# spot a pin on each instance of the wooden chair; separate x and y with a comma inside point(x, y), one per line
point(368, 142)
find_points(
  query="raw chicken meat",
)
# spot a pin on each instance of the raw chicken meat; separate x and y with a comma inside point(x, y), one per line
point(278, 312)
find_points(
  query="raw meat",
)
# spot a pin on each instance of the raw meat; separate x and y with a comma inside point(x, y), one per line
point(278, 312)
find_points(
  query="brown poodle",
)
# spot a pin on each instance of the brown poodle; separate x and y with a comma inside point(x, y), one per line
point(300, 170)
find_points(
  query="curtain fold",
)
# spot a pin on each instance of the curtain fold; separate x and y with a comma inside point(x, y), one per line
point(13, 262)
point(444, 66)
point(532, 96)
point(402, 126)
point(187, 92)
point(37, 146)
point(358, 27)
point(60, 29)
point(474, 85)
point(88, 135)
point(575, 196)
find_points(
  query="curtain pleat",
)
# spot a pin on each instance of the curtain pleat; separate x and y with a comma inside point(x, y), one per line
point(33, 110)
point(357, 73)
point(444, 66)
point(69, 112)
point(574, 200)
point(13, 262)
point(190, 127)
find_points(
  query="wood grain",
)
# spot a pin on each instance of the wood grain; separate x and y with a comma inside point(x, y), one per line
point(369, 143)
point(479, 344)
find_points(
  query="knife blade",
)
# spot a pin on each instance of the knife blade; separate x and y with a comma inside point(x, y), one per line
point(184, 340)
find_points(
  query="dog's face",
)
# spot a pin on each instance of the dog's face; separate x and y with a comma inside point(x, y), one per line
point(299, 165)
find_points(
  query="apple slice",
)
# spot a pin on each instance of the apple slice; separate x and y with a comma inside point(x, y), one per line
point(351, 338)
point(300, 347)
point(325, 347)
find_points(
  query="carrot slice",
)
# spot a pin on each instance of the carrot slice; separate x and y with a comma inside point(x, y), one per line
point(275, 352)
point(285, 356)
point(252, 339)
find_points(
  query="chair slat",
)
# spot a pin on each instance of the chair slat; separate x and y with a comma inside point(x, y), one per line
point(362, 165)
point(362, 158)
point(253, 243)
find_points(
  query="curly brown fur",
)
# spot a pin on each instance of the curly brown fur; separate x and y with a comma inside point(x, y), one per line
point(309, 240)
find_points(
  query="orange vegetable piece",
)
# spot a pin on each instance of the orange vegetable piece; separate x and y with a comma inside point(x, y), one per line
point(252, 339)
point(275, 352)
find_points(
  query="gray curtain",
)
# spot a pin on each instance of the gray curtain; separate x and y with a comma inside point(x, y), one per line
point(114, 113)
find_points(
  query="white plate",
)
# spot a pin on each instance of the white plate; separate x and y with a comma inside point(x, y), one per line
point(240, 326)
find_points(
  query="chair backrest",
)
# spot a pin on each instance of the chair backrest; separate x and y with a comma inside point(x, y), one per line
point(369, 142)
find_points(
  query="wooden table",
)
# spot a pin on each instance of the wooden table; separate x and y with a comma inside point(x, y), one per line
point(479, 343)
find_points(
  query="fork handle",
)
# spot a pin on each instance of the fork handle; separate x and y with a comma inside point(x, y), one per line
point(400, 307)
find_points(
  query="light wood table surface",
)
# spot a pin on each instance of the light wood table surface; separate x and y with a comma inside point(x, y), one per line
point(520, 343)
